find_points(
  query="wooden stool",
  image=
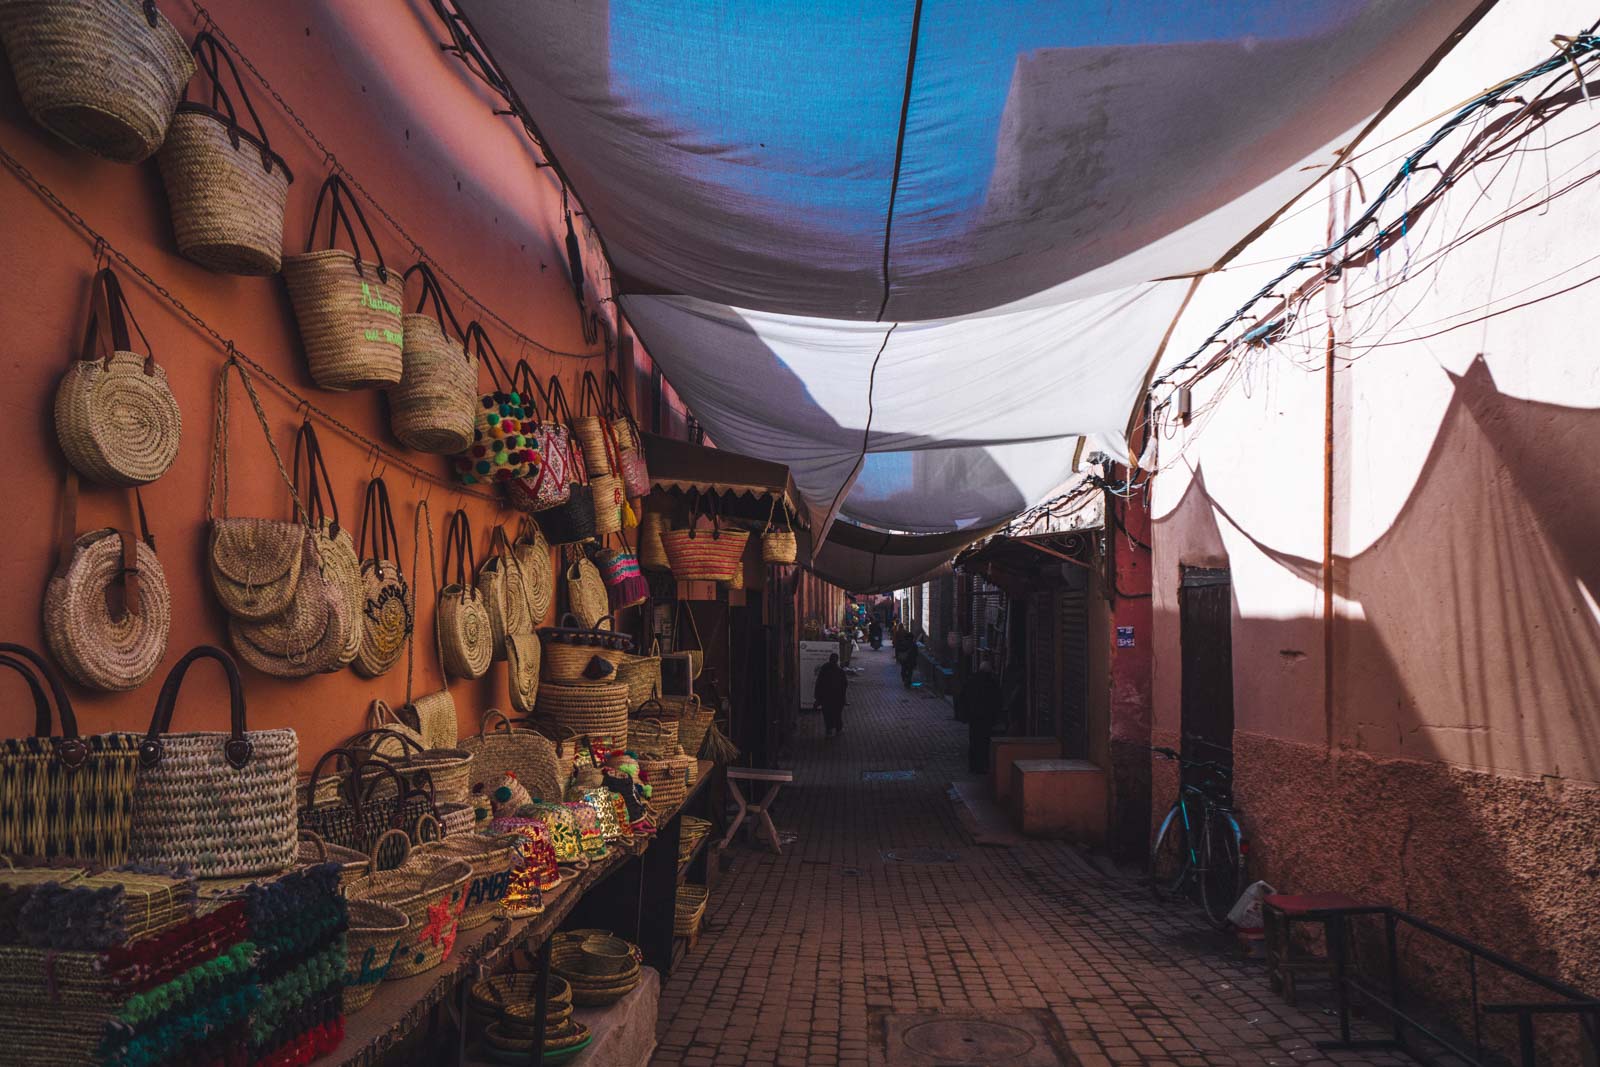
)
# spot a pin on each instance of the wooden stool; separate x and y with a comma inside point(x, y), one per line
point(775, 781)
point(1279, 912)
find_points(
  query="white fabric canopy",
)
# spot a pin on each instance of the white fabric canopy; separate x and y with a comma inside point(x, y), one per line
point(1023, 188)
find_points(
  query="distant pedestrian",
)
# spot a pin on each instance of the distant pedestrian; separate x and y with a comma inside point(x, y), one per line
point(875, 634)
point(979, 705)
point(905, 651)
point(832, 684)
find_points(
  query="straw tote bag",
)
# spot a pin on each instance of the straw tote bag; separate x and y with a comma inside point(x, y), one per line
point(66, 795)
point(466, 639)
point(545, 482)
point(625, 584)
point(501, 586)
point(107, 611)
point(433, 715)
point(572, 520)
point(226, 186)
point(631, 464)
point(499, 449)
point(221, 803)
point(104, 75)
point(386, 617)
point(320, 632)
point(535, 569)
point(707, 555)
point(255, 564)
point(500, 748)
point(433, 407)
point(586, 591)
point(116, 417)
point(592, 430)
point(524, 657)
point(348, 308)
point(652, 553)
point(779, 546)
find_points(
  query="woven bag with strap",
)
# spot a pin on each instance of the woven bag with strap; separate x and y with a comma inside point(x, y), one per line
point(592, 429)
point(705, 553)
point(626, 586)
point(500, 449)
point(466, 639)
point(255, 564)
point(779, 545)
point(586, 590)
point(573, 520)
point(502, 587)
point(107, 610)
point(373, 798)
point(386, 617)
point(524, 654)
point(347, 308)
point(221, 803)
point(546, 481)
point(104, 75)
point(226, 186)
point(432, 715)
point(63, 795)
point(633, 470)
point(433, 408)
point(537, 573)
point(116, 417)
point(340, 564)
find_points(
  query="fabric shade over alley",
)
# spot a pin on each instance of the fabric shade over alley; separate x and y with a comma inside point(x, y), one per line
point(925, 253)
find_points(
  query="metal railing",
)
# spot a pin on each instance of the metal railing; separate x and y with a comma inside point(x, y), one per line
point(1349, 987)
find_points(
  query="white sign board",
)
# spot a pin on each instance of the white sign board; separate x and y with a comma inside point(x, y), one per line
point(813, 654)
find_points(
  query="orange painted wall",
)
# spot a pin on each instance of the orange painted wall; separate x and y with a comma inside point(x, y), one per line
point(416, 130)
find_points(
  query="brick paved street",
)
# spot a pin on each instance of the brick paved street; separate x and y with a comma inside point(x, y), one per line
point(819, 956)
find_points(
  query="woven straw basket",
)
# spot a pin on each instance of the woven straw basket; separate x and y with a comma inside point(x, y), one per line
point(374, 934)
point(226, 186)
point(586, 592)
point(466, 637)
point(502, 588)
point(523, 658)
point(98, 649)
point(348, 308)
point(598, 709)
point(653, 735)
point(535, 570)
point(309, 637)
point(430, 892)
point(642, 676)
point(500, 748)
point(104, 75)
point(704, 555)
point(433, 408)
point(491, 859)
point(689, 909)
point(652, 553)
point(222, 803)
point(116, 417)
point(386, 618)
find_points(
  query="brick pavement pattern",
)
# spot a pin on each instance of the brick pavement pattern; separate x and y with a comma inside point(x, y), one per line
point(815, 956)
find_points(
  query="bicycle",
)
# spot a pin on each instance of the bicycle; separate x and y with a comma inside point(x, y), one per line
point(1200, 841)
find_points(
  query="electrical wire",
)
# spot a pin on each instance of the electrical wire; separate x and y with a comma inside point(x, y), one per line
point(226, 345)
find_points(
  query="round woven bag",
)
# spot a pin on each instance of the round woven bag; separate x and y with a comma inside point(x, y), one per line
point(466, 638)
point(104, 75)
point(522, 671)
point(105, 640)
point(386, 614)
point(116, 417)
point(335, 550)
point(501, 589)
point(433, 407)
point(586, 592)
point(347, 308)
point(226, 186)
point(534, 570)
point(309, 638)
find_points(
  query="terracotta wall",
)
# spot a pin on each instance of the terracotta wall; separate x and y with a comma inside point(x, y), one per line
point(1131, 668)
point(1448, 759)
point(415, 130)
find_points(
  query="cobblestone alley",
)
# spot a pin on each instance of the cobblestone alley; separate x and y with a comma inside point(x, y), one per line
point(836, 952)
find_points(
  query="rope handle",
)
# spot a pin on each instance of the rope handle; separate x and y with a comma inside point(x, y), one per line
point(337, 214)
point(441, 304)
point(219, 445)
point(423, 522)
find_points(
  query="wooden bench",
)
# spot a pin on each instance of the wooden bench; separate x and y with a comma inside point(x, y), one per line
point(775, 781)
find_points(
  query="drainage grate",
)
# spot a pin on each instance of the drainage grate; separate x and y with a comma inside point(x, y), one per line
point(921, 855)
point(1020, 1040)
point(888, 776)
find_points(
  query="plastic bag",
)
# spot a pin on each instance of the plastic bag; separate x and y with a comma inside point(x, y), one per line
point(1246, 912)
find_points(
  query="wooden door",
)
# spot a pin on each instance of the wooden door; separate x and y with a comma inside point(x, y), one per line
point(1205, 609)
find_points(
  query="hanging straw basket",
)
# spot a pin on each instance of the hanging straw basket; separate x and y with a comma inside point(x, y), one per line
point(226, 186)
point(430, 892)
point(101, 649)
point(652, 553)
point(433, 407)
point(642, 676)
point(570, 650)
point(598, 709)
point(375, 932)
point(705, 555)
point(586, 592)
point(348, 308)
point(694, 722)
point(524, 655)
point(104, 75)
point(491, 859)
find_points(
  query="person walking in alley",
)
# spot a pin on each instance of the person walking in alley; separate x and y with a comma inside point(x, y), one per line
point(875, 634)
point(905, 652)
point(979, 704)
point(832, 685)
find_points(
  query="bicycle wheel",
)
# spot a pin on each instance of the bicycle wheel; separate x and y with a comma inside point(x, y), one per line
point(1170, 856)
point(1222, 879)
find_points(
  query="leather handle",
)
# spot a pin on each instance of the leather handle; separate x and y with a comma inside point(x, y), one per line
point(41, 703)
point(337, 214)
point(430, 287)
point(237, 750)
point(206, 53)
point(477, 341)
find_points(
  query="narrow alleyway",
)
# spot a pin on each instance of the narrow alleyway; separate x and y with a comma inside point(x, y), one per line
point(838, 952)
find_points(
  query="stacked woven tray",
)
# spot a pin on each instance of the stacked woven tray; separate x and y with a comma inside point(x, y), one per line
point(693, 830)
point(501, 1015)
point(600, 967)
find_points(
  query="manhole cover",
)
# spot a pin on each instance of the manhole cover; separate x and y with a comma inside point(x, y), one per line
point(921, 855)
point(888, 776)
point(969, 1041)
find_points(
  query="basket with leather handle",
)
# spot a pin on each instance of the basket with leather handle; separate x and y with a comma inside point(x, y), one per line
point(255, 564)
point(222, 803)
point(434, 406)
point(706, 552)
point(632, 468)
point(372, 798)
point(431, 892)
point(116, 417)
point(501, 747)
point(466, 638)
point(641, 674)
point(649, 733)
point(348, 308)
point(500, 449)
point(586, 589)
point(341, 566)
point(449, 769)
point(63, 795)
point(503, 589)
point(226, 186)
point(572, 520)
point(104, 75)
point(433, 715)
point(546, 481)
point(107, 610)
point(386, 615)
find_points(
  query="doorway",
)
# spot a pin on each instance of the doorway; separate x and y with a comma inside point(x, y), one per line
point(1205, 616)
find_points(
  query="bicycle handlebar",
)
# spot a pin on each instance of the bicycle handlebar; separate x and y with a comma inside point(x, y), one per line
point(1206, 765)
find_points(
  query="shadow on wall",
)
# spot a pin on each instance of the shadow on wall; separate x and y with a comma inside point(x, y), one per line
point(1461, 782)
